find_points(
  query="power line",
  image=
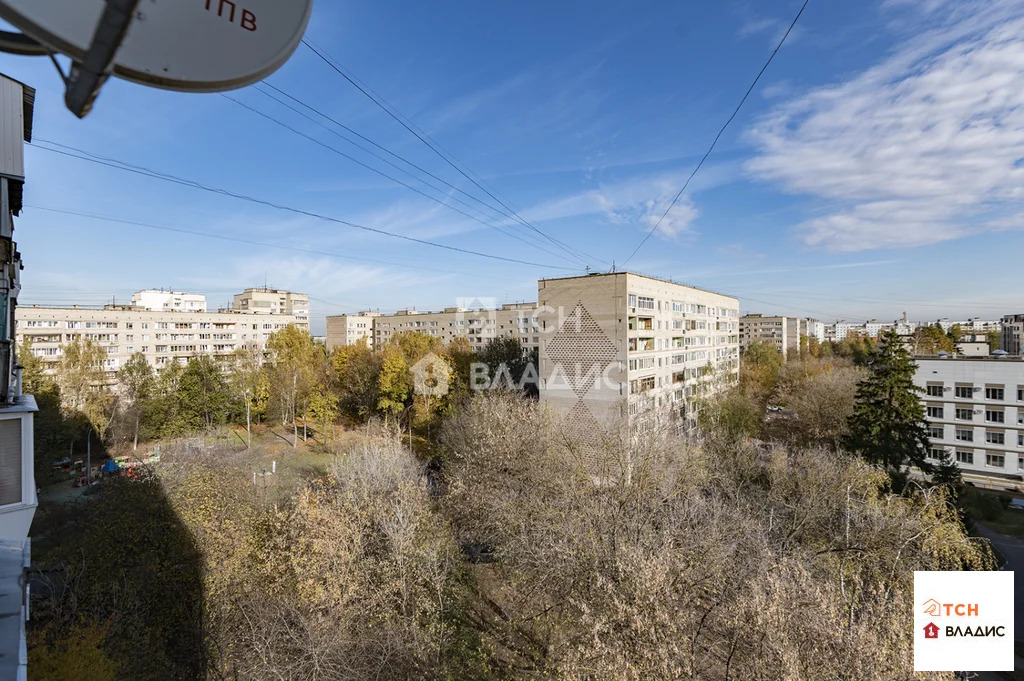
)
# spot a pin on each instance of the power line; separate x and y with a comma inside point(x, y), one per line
point(422, 137)
point(722, 130)
point(224, 237)
point(389, 177)
point(366, 139)
point(146, 172)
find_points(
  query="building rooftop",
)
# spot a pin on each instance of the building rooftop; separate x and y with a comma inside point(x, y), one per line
point(637, 274)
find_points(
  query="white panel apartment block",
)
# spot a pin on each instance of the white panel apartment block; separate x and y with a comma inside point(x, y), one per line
point(975, 410)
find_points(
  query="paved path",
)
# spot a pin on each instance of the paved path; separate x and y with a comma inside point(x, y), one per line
point(1012, 549)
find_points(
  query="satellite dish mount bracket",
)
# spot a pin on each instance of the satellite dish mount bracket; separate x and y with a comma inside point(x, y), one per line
point(88, 76)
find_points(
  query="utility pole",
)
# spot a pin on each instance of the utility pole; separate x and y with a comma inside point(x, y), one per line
point(88, 456)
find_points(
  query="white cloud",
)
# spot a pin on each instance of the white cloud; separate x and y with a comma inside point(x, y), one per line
point(924, 147)
point(640, 202)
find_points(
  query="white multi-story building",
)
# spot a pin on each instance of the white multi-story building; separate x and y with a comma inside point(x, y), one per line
point(160, 300)
point(975, 410)
point(478, 326)
point(812, 328)
point(162, 337)
point(350, 329)
point(275, 302)
point(976, 325)
point(17, 477)
point(622, 345)
point(1013, 334)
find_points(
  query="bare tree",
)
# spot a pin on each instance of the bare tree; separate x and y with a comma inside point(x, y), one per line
point(710, 560)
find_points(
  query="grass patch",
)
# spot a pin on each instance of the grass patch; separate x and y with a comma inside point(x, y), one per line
point(992, 508)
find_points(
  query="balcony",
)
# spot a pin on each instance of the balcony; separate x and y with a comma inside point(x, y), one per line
point(17, 506)
point(17, 477)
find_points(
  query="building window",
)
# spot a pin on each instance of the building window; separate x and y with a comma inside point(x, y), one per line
point(935, 432)
point(631, 300)
point(964, 457)
point(995, 438)
point(936, 453)
point(995, 416)
point(641, 363)
point(645, 303)
point(1020, 439)
point(1020, 394)
point(966, 391)
point(935, 391)
point(935, 412)
point(965, 414)
point(641, 385)
point(995, 460)
point(994, 394)
point(965, 435)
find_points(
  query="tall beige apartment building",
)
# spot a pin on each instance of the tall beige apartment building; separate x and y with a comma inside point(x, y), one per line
point(275, 302)
point(163, 336)
point(785, 333)
point(781, 332)
point(518, 320)
point(625, 345)
point(350, 329)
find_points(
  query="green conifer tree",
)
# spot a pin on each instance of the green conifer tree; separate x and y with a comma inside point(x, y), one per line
point(887, 427)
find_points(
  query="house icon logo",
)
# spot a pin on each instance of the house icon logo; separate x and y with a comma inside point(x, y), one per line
point(430, 376)
point(932, 607)
point(931, 630)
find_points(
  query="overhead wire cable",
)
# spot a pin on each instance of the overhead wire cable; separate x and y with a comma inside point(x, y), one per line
point(225, 237)
point(66, 150)
point(368, 140)
point(335, 150)
point(422, 137)
point(719, 135)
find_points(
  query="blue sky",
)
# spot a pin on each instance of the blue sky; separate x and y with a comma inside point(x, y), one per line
point(878, 167)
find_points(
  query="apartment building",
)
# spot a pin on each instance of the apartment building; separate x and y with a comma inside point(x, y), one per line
point(785, 333)
point(350, 329)
point(975, 410)
point(781, 332)
point(162, 336)
point(974, 325)
point(626, 345)
point(812, 328)
point(17, 412)
point(518, 320)
point(274, 302)
point(1013, 334)
point(160, 300)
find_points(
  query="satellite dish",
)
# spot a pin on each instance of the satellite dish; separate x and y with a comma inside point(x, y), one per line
point(185, 45)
